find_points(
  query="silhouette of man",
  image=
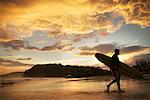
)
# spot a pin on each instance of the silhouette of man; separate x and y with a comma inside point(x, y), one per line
point(115, 71)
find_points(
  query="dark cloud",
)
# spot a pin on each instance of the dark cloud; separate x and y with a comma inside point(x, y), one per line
point(31, 48)
point(106, 48)
point(9, 63)
point(56, 46)
point(86, 53)
point(18, 3)
point(20, 44)
point(79, 37)
point(17, 45)
point(102, 48)
point(13, 44)
point(24, 58)
point(131, 49)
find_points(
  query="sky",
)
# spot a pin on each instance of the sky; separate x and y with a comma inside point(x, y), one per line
point(70, 32)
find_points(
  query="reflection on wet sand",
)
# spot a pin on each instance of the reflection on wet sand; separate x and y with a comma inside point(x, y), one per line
point(91, 88)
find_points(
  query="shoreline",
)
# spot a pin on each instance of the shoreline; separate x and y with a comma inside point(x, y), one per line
point(91, 88)
point(73, 96)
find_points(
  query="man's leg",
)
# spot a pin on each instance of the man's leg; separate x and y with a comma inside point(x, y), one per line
point(113, 81)
point(118, 80)
point(118, 84)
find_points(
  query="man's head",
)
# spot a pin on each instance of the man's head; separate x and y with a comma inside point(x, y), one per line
point(117, 51)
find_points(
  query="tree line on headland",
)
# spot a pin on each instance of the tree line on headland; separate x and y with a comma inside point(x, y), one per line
point(59, 70)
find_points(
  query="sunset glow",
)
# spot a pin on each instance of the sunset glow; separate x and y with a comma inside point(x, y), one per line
point(70, 32)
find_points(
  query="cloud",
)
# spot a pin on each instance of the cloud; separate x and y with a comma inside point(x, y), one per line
point(24, 58)
point(134, 59)
point(56, 46)
point(72, 38)
point(13, 44)
point(20, 44)
point(17, 45)
point(87, 53)
point(75, 16)
point(131, 49)
point(67, 45)
point(13, 32)
point(143, 57)
point(9, 63)
point(16, 3)
point(102, 48)
point(5, 36)
point(7, 66)
point(103, 33)
point(109, 48)
point(41, 25)
point(40, 39)
point(79, 37)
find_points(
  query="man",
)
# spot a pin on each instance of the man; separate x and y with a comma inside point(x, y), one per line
point(115, 71)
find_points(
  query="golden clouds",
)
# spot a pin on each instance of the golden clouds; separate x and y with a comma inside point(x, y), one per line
point(4, 35)
point(4, 62)
point(72, 15)
point(7, 66)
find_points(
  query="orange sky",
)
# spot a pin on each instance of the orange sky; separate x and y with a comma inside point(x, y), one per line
point(71, 31)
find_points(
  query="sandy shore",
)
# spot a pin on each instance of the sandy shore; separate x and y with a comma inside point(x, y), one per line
point(73, 96)
point(74, 89)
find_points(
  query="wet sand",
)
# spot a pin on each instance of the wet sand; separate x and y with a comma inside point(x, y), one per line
point(92, 88)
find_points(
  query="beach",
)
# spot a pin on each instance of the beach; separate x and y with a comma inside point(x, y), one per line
point(89, 88)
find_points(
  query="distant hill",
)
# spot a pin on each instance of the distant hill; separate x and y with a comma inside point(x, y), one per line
point(58, 70)
point(13, 74)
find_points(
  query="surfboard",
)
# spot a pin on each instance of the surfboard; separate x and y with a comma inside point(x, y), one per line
point(123, 68)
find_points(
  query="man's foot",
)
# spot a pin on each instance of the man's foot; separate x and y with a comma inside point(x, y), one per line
point(121, 90)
